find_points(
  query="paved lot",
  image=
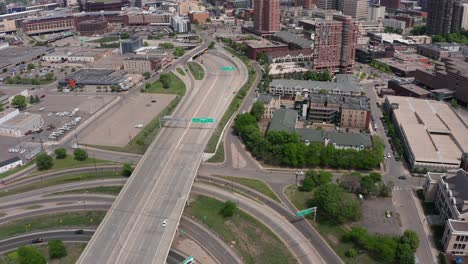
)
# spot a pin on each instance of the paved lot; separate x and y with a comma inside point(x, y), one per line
point(119, 128)
point(373, 216)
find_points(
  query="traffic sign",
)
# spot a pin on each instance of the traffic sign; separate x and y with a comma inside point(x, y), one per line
point(304, 212)
point(188, 260)
point(196, 120)
point(228, 68)
point(203, 120)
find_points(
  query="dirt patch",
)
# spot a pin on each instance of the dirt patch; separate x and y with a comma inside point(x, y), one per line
point(188, 246)
point(119, 127)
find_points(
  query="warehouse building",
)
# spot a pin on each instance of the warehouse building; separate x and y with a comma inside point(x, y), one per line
point(433, 135)
point(21, 124)
point(9, 164)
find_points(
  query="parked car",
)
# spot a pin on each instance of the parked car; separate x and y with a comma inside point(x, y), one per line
point(388, 214)
point(402, 177)
point(37, 240)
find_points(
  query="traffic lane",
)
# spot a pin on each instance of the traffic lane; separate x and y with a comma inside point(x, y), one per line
point(63, 188)
point(209, 241)
point(62, 198)
point(63, 208)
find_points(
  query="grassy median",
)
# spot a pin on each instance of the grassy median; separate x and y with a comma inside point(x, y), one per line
point(197, 70)
point(254, 242)
point(255, 184)
point(110, 190)
point(52, 221)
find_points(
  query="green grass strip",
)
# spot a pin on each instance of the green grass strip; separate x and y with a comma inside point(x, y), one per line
point(197, 70)
point(255, 184)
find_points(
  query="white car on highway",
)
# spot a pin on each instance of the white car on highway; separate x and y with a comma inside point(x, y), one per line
point(164, 223)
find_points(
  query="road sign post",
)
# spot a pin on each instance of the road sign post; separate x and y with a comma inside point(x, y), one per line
point(307, 212)
point(228, 68)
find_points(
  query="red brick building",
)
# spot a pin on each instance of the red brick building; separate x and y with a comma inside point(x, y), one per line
point(198, 16)
point(267, 16)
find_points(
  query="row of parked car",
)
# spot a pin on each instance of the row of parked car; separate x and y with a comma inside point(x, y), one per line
point(67, 127)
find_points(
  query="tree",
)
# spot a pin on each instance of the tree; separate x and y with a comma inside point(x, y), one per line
point(49, 76)
point(44, 161)
point(166, 45)
point(36, 99)
point(229, 209)
point(60, 153)
point(212, 44)
point(454, 103)
point(242, 121)
point(127, 169)
point(19, 101)
point(418, 30)
point(319, 178)
point(125, 35)
point(147, 86)
point(1, 108)
point(80, 154)
point(56, 249)
point(73, 69)
point(179, 51)
point(411, 238)
point(30, 255)
point(308, 185)
point(333, 203)
point(31, 99)
point(257, 110)
point(145, 44)
point(147, 75)
point(165, 80)
point(405, 254)
point(351, 253)
point(368, 186)
point(208, 20)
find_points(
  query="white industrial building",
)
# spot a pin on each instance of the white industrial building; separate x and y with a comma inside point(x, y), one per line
point(14, 123)
point(9, 164)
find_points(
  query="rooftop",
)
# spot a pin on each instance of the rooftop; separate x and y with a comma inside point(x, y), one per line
point(289, 37)
point(343, 83)
point(458, 184)
point(263, 44)
point(348, 102)
point(94, 77)
point(9, 161)
point(283, 120)
point(15, 55)
point(20, 120)
point(434, 132)
point(266, 98)
point(339, 138)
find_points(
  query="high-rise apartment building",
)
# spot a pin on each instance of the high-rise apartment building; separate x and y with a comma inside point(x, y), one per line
point(393, 4)
point(445, 16)
point(375, 13)
point(355, 8)
point(267, 15)
point(335, 42)
point(327, 4)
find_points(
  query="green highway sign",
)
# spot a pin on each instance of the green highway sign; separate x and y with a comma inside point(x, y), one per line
point(228, 68)
point(304, 212)
point(188, 260)
point(203, 120)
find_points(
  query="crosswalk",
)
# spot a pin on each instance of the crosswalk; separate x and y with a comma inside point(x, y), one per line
point(405, 188)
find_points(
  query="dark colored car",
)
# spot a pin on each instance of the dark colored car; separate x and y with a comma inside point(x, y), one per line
point(402, 177)
point(79, 232)
point(28, 133)
point(37, 240)
point(42, 96)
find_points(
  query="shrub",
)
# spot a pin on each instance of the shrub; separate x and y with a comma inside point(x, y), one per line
point(229, 209)
point(80, 154)
point(127, 169)
point(60, 153)
point(351, 253)
point(30, 255)
point(44, 161)
point(57, 249)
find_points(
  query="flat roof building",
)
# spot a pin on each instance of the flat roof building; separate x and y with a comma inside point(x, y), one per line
point(20, 124)
point(433, 135)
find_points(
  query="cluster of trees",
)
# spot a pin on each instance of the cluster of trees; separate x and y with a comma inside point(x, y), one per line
point(179, 51)
point(385, 248)
point(314, 179)
point(418, 30)
point(380, 66)
point(166, 45)
point(60, 153)
point(32, 255)
point(158, 36)
point(458, 37)
point(165, 80)
point(19, 101)
point(257, 110)
point(45, 161)
point(34, 99)
point(393, 30)
point(229, 209)
point(391, 132)
point(240, 47)
point(147, 75)
point(125, 35)
point(283, 148)
point(212, 44)
point(335, 204)
point(37, 80)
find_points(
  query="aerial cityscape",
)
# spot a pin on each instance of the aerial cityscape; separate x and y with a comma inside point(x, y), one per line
point(234, 131)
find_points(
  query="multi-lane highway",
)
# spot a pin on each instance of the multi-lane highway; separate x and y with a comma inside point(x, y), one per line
point(133, 231)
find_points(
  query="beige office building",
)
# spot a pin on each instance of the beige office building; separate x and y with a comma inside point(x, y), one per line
point(355, 8)
point(7, 26)
point(142, 64)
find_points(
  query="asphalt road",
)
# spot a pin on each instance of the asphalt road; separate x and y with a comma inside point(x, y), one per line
point(132, 231)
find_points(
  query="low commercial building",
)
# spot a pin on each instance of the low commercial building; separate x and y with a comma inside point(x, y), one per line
point(8, 114)
point(345, 84)
point(21, 124)
point(440, 50)
point(263, 46)
point(95, 77)
point(451, 74)
point(9, 164)
point(142, 64)
point(10, 57)
point(73, 55)
point(448, 193)
point(339, 140)
point(433, 135)
point(404, 88)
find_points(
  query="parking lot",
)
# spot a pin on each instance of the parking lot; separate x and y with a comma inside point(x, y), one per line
point(119, 127)
point(374, 218)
